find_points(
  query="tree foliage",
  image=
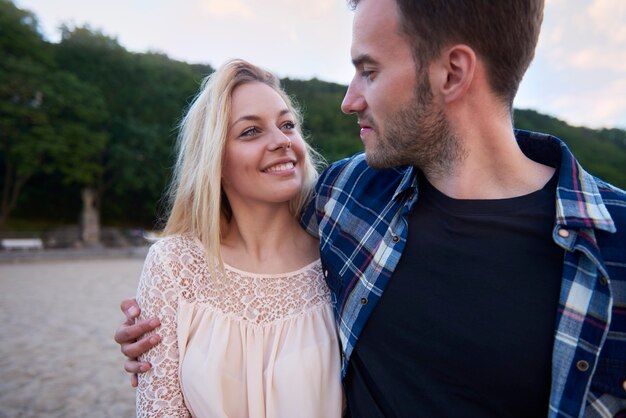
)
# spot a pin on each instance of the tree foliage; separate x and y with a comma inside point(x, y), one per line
point(144, 95)
point(85, 112)
point(45, 113)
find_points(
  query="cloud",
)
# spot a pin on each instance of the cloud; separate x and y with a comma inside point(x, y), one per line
point(609, 18)
point(281, 10)
point(231, 8)
point(598, 59)
point(579, 71)
point(591, 106)
point(313, 9)
point(583, 35)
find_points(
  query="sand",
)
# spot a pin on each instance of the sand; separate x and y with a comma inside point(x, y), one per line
point(57, 354)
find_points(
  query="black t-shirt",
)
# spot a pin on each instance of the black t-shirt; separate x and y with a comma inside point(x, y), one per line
point(465, 327)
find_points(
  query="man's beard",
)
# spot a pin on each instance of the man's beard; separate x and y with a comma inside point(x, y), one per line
point(419, 134)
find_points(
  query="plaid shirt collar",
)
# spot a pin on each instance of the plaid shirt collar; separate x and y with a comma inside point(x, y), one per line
point(408, 184)
point(579, 203)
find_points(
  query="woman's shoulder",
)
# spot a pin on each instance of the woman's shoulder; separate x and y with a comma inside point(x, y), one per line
point(175, 245)
point(177, 252)
point(183, 258)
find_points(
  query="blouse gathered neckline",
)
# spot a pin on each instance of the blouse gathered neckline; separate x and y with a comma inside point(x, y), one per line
point(246, 273)
point(271, 275)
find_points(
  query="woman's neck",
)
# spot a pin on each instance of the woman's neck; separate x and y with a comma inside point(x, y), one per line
point(267, 239)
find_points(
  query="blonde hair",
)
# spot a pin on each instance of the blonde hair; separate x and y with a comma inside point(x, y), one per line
point(198, 206)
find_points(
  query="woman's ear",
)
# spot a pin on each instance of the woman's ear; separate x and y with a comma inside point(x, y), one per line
point(454, 72)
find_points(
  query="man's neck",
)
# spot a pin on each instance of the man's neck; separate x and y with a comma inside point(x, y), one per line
point(494, 166)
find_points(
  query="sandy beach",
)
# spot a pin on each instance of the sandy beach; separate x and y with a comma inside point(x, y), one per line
point(57, 354)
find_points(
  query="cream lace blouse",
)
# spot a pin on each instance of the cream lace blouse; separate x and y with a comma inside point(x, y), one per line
point(239, 344)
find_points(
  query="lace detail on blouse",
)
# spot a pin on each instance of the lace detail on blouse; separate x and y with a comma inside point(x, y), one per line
point(176, 270)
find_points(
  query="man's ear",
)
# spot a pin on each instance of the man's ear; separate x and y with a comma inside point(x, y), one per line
point(454, 72)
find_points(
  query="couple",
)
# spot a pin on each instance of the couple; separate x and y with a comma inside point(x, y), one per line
point(473, 270)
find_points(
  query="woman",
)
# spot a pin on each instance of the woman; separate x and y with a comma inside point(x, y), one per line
point(246, 323)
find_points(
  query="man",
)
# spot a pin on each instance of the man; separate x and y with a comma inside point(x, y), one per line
point(475, 270)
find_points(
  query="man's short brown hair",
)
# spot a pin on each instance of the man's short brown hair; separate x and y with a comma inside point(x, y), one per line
point(503, 34)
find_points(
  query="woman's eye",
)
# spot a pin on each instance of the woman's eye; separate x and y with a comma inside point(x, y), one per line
point(289, 125)
point(249, 132)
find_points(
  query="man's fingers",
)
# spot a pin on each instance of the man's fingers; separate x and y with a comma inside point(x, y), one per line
point(133, 366)
point(130, 308)
point(134, 350)
point(127, 333)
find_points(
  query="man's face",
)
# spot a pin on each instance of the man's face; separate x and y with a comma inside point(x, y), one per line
point(400, 121)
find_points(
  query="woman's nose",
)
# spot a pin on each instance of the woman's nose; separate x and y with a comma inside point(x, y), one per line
point(280, 140)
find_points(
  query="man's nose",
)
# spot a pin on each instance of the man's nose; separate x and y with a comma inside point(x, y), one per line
point(353, 101)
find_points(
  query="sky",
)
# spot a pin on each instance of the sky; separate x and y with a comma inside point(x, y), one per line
point(578, 74)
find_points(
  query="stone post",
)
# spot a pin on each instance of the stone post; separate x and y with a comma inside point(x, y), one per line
point(89, 219)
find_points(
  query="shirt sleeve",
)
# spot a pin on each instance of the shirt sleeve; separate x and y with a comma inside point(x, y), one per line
point(159, 392)
point(308, 220)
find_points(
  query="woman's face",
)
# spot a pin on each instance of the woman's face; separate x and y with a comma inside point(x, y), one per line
point(264, 152)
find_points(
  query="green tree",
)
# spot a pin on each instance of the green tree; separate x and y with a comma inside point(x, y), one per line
point(23, 128)
point(20, 36)
point(145, 95)
point(49, 120)
point(21, 120)
point(78, 112)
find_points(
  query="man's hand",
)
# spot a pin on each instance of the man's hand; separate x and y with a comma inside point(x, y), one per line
point(128, 336)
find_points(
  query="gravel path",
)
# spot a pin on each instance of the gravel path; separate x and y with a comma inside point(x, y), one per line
point(57, 354)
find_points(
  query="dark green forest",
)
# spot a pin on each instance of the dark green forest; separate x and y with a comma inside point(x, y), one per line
point(87, 113)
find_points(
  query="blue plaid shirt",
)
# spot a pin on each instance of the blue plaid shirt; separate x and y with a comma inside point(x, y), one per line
point(361, 217)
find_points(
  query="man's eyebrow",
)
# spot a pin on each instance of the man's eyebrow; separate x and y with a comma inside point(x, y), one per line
point(363, 59)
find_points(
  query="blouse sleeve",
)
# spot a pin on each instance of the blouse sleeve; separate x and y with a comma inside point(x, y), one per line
point(159, 392)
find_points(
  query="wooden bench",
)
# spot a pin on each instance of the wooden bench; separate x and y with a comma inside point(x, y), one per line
point(21, 244)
